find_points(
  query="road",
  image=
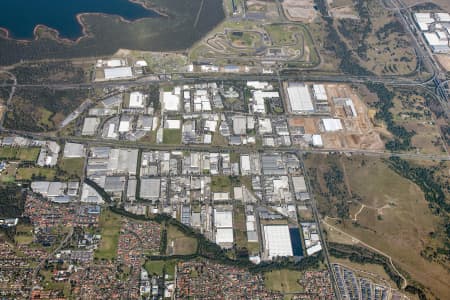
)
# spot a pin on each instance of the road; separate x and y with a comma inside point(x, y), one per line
point(317, 220)
point(52, 254)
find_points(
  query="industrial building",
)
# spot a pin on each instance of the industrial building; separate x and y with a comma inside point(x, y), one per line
point(223, 223)
point(150, 188)
point(299, 98)
point(319, 92)
point(170, 101)
point(277, 241)
point(72, 150)
point(137, 100)
point(332, 125)
point(118, 73)
point(90, 126)
point(436, 30)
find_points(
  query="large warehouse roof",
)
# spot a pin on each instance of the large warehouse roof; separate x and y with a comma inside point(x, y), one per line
point(223, 219)
point(136, 100)
point(117, 73)
point(299, 98)
point(171, 102)
point(332, 124)
point(150, 188)
point(277, 241)
point(224, 236)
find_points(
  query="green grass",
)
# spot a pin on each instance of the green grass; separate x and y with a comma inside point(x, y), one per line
point(154, 266)
point(280, 34)
point(172, 136)
point(240, 229)
point(23, 154)
point(110, 229)
point(73, 167)
point(28, 173)
point(284, 281)
point(24, 234)
point(158, 266)
point(182, 244)
point(220, 184)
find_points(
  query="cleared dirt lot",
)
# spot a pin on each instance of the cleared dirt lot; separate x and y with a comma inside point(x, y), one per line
point(358, 131)
point(299, 10)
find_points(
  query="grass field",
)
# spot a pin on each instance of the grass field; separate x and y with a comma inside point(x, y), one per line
point(109, 224)
point(239, 225)
point(178, 243)
point(35, 172)
point(23, 154)
point(159, 266)
point(171, 136)
point(284, 281)
point(380, 46)
point(24, 234)
point(411, 112)
point(220, 184)
point(395, 218)
point(73, 167)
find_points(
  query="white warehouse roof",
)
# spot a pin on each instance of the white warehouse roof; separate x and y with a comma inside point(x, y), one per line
point(317, 140)
point(277, 240)
point(223, 219)
point(442, 17)
point(299, 98)
point(319, 92)
point(116, 73)
point(434, 40)
point(136, 100)
point(171, 102)
point(224, 236)
point(245, 163)
point(332, 124)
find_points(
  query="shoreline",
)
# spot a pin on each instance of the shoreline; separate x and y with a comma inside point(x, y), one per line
point(55, 34)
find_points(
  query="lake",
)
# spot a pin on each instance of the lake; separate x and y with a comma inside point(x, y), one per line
point(186, 22)
point(20, 17)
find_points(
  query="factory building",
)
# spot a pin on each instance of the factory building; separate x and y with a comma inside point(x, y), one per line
point(299, 98)
point(277, 241)
point(137, 100)
point(150, 188)
point(118, 73)
point(90, 126)
point(332, 125)
point(223, 223)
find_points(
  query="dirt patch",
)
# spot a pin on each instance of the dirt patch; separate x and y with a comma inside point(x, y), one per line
point(444, 61)
point(299, 10)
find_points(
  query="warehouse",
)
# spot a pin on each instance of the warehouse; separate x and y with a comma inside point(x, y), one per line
point(240, 125)
point(223, 222)
point(277, 241)
point(331, 125)
point(245, 165)
point(223, 218)
point(150, 188)
point(299, 98)
point(118, 73)
point(319, 92)
point(72, 150)
point(136, 100)
point(224, 237)
point(424, 20)
point(90, 126)
point(170, 101)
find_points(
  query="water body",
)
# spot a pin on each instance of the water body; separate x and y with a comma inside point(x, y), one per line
point(295, 241)
point(20, 17)
point(187, 21)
